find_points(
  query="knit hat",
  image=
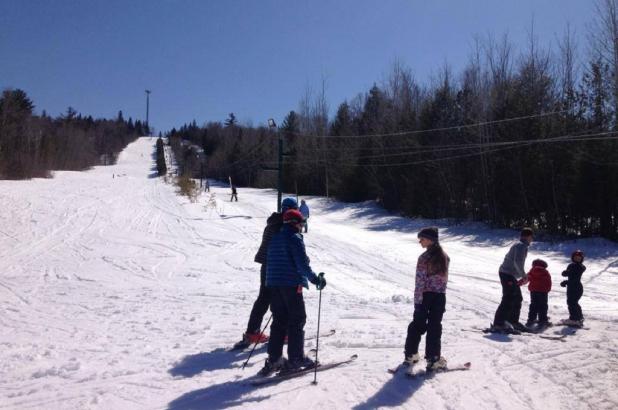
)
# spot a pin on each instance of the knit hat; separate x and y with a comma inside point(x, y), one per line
point(539, 262)
point(430, 233)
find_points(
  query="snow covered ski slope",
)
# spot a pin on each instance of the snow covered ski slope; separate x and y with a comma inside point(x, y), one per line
point(115, 293)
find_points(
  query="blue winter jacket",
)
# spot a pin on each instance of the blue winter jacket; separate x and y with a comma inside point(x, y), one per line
point(287, 262)
point(304, 209)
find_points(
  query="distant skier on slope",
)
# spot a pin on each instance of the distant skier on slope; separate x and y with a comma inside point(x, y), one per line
point(575, 290)
point(261, 304)
point(539, 287)
point(287, 272)
point(234, 194)
point(304, 209)
point(429, 302)
point(512, 275)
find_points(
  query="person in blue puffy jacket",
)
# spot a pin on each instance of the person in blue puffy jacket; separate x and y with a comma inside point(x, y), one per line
point(287, 273)
point(261, 304)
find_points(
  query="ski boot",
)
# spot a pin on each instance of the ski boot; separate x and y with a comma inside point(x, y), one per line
point(520, 327)
point(271, 366)
point(572, 323)
point(545, 324)
point(257, 337)
point(506, 329)
point(297, 365)
point(250, 338)
point(410, 361)
point(436, 364)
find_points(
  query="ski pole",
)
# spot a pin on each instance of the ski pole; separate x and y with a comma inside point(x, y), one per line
point(317, 341)
point(256, 343)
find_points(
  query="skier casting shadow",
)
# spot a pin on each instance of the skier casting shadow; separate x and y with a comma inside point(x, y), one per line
point(195, 364)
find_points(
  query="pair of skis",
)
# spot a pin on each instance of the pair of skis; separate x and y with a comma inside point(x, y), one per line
point(530, 332)
point(262, 381)
point(427, 373)
point(279, 377)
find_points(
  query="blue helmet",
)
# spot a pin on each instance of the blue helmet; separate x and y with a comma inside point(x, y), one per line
point(288, 203)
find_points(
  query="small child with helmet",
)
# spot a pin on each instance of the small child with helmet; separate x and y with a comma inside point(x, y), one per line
point(539, 286)
point(575, 289)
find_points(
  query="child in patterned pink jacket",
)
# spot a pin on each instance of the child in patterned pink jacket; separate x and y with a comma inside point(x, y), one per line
point(429, 302)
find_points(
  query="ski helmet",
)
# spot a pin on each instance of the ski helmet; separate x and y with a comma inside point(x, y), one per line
point(577, 253)
point(288, 203)
point(292, 216)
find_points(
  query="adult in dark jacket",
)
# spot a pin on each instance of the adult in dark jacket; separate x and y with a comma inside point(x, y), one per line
point(287, 272)
point(512, 274)
point(261, 304)
point(575, 289)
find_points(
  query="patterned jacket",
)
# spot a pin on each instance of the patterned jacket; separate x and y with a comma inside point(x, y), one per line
point(287, 262)
point(426, 282)
point(273, 225)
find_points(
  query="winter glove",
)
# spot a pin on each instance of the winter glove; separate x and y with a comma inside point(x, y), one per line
point(321, 282)
point(523, 280)
point(565, 273)
point(564, 283)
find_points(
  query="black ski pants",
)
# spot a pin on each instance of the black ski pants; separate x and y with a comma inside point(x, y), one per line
point(260, 306)
point(427, 318)
point(574, 293)
point(289, 317)
point(538, 306)
point(510, 306)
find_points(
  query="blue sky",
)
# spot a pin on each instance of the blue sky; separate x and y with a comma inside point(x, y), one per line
point(204, 59)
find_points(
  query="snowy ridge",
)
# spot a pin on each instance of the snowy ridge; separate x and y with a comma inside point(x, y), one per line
point(115, 293)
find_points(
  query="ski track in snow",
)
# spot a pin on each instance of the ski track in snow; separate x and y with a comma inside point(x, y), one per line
point(116, 293)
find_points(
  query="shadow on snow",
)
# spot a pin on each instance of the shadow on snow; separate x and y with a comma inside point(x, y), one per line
point(194, 364)
point(395, 392)
point(217, 396)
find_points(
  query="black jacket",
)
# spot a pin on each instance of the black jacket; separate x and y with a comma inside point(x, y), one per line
point(273, 225)
point(574, 273)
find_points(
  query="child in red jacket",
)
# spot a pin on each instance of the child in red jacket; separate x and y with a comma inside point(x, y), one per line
point(539, 287)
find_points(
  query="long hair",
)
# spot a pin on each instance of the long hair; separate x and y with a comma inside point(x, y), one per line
point(438, 261)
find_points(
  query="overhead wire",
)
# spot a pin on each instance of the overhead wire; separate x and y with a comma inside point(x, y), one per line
point(440, 129)
point(497, 146)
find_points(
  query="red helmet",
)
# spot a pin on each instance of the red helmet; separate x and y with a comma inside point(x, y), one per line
point(577, 253)
point(292, 216)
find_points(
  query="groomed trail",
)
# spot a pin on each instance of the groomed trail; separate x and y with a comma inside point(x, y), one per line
point(117, 293)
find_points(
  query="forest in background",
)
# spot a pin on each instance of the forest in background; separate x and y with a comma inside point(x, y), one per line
point(34, 145)
point(515, 138)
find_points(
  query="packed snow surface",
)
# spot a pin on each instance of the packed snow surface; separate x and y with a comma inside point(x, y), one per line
point(117, 293)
